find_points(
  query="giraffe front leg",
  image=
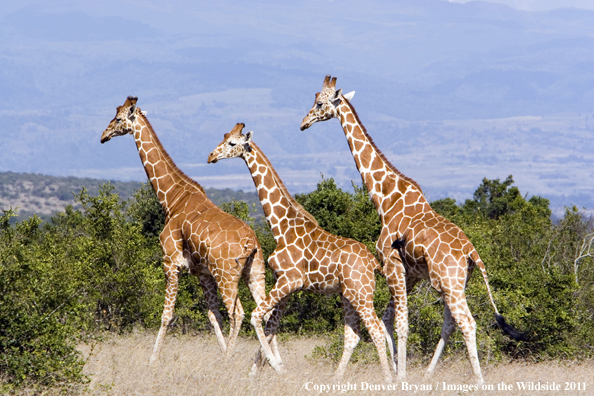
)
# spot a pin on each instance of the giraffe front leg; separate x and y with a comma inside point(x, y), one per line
point(209, 286)
point(272, 319)
point(172, 279)
point(282, 289)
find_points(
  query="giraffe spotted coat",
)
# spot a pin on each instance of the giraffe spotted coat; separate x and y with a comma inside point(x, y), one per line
point(198, 236)
point(307, 257)
point(415, 242)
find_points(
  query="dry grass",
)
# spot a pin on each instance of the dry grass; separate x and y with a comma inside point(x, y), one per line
point(194, 366)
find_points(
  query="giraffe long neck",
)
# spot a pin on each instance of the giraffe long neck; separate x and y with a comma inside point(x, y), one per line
point(168, 181)
point(386, 185)
point(277, 203)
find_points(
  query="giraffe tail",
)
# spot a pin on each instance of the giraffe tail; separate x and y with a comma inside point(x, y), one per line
point(505, 327)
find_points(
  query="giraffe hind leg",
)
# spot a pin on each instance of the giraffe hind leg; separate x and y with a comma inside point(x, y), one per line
point(447, 329)
point(228, 285)
point(395, 277)
point(235, 318)
point(463, 317)
point(352, 335)
point(377, 332)
point(388, 321)
point(209, 286)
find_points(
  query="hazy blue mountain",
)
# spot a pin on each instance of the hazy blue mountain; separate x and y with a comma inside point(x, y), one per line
point(450, 92)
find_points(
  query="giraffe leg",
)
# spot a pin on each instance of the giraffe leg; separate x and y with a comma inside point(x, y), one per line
point(463, 317)
point(282, 289)
point(395, 278)
point(270, 329)
point(272, 321)
point(172, 279)
point(388, 320)
point(364, 307)
point(254, 276)
point(235, 319)
point(446, 331)
point(209, 286)
point(228, 284)
point(352, 335)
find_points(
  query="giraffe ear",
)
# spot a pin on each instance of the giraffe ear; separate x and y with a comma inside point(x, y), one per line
point(349, 96)
point(248, 139)
point(131, 115)
point(336, 99)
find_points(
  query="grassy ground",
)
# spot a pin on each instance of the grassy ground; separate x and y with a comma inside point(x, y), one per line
point(193, 365)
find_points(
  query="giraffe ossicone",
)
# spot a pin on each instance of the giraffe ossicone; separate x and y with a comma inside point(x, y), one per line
point(198, 236)
point(415, 242)
point(307, 257)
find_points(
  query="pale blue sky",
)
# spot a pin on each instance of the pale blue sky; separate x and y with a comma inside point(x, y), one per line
point(539, 5)
point(451, 93)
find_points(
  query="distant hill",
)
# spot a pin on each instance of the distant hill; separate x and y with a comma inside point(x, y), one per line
point(45, 195)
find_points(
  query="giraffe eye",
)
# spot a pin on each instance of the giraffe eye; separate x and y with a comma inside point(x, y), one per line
point(118, 120)
point(232, 144)
point(319, 104)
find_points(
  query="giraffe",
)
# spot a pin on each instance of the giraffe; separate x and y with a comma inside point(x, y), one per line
point(307, 257)
point(415, 242)
point(198, 236)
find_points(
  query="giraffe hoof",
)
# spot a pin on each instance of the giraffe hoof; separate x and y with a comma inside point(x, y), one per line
point(254, 371)
point(278, 367)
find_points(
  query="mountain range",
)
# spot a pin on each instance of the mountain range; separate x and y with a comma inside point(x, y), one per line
point(450, 92)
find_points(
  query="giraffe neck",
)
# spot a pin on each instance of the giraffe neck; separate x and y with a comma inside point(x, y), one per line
point(168, 181)
point(386, 185)
point(277, 203)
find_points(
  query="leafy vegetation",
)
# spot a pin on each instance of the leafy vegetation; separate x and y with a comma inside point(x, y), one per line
point(96, 267)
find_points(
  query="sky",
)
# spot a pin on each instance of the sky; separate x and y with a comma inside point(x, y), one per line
point(539, 5)
point(450, 92)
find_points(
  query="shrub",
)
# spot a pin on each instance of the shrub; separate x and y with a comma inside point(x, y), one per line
point(39, 312)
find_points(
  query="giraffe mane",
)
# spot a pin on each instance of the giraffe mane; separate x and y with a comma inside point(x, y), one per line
point(283, 188)
point(382, 156)
point(167, 157)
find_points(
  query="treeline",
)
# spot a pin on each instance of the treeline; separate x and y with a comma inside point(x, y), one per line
point(45, 195)
point(97, 268)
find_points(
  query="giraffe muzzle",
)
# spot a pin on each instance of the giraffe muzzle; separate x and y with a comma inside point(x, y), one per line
point(105, 138)
point(305, 124)
point(212, 159)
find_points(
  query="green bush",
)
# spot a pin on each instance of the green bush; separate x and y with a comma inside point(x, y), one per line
point(530, 261)
point(98, 268)
point(39, 312)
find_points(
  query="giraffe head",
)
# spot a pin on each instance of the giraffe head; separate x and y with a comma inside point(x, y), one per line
point(234, 144)
point(326, 104)
point(123, 122)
